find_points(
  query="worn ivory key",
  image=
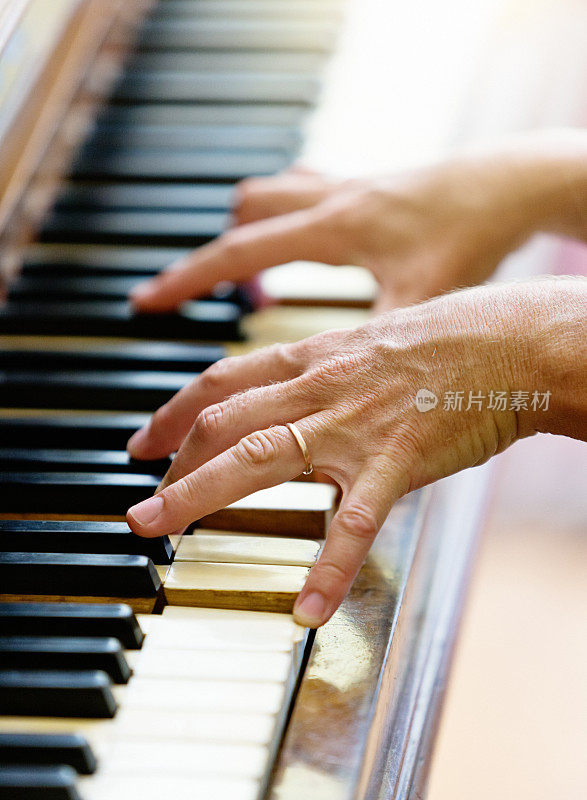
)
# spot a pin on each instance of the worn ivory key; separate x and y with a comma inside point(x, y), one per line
point(245, 548)
point(257, 587)
point(299, 509)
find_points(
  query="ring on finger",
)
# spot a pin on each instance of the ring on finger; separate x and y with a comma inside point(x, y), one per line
point(303, 447)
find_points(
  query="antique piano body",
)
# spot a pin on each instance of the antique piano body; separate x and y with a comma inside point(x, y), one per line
point(370, 684)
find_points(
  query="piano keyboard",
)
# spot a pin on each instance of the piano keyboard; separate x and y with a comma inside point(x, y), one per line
point(100, 698)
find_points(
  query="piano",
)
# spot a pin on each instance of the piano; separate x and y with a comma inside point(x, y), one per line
point(172, 667)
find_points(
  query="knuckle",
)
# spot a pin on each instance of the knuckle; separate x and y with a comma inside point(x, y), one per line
point(286, 357)
point(256, 449)
point(179, 494)
point(213, 378)
point(209, 422)
point(358, 522)
point(327, 573)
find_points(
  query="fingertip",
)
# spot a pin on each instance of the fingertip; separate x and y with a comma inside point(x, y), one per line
point(311, 610)
point(136, 445)
point(141, 294)
point(141, 517)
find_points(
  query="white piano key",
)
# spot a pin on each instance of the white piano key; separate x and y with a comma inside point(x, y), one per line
point(148, 724)
point(247, 548)
point(155, 662)
point(161, 787)
point(186, 695)
point(223, 629)
point(196, 759)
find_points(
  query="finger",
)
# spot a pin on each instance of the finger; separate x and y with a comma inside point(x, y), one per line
point(220, 426)
point(171, 423)
point(259, 198)
point(260, 460)
point(237, 255)
point(355, 525)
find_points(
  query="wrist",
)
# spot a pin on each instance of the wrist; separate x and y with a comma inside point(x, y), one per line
point(550, 357)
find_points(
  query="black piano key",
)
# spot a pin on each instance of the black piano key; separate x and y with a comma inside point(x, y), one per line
point(22, 459)
point(229, 61)
point(182, 228)
point(74, 282)
point(104, 390)
point(89, 431)
point(79, 260)
point(202, 196)
point(45, 693)
point(195, 87)
point(48, 749)
point(210, 137)
point(178, 165)
point(35, 782)
point(83, 575)
point(247, 9)
point(84, 536)
point(239, 34)
point(65, 653)
point(288, 114)
point(194, 320)
point(159, 356)
point(78, 287)
point(72, 619)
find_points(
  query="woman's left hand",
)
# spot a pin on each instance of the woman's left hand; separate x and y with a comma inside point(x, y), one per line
point(352, 395)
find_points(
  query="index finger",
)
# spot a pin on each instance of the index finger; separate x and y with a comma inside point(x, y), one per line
point(237, 255)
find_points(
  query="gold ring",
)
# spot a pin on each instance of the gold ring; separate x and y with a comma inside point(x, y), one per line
point(303, 447)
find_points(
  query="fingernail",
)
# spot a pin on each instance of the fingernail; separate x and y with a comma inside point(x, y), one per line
point(137, 440)
point(310, 612)
point(146, 512)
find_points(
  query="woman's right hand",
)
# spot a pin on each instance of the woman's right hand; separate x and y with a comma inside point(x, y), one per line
point(420, 234)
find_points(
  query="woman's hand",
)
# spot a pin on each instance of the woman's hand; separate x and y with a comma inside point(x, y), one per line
point(352, 394)
point(420, 234)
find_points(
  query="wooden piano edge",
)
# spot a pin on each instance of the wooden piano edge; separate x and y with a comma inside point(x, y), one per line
point(366, 712)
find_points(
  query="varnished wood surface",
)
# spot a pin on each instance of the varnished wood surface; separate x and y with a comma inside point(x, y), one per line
point(364, 719)
point(35, 154)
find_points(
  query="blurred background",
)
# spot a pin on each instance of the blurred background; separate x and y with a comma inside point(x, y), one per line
point(412, 82)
